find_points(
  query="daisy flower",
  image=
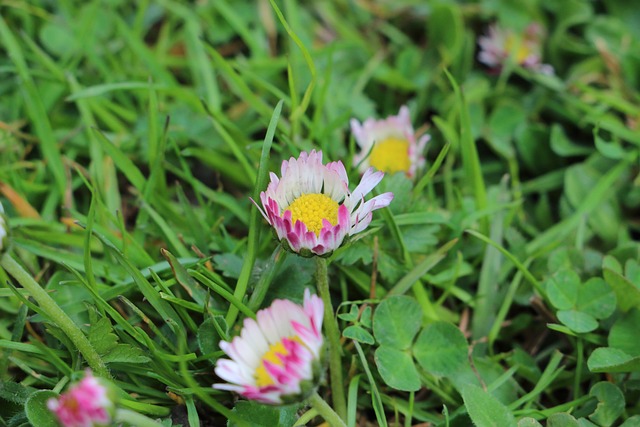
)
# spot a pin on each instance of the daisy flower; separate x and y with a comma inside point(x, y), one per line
point(276, 358)
point(311, 208)
point(85, 404)
point(389, 145)
point(525, 49)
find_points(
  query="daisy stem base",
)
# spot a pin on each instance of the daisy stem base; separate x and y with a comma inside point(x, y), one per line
point(55, 314)
point(325, 411)
point(332, 332)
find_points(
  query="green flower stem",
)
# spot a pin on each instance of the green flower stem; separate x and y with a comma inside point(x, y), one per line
point(332, 331)
point(325, 411)
point(56, 315)
point(133, 418)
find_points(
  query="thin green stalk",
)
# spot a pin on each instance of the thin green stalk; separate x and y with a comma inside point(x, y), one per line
point(134, 419)
point(56, 315)
point(332, 331)
point(579, 363)
point(260, 291)
point(254, 225)
point(325, 411)
point(409, 417)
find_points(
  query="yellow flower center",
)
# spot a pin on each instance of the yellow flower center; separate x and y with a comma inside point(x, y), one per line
point(311, 209)
point(262, 375)
point(521, 53)
point(391, 155)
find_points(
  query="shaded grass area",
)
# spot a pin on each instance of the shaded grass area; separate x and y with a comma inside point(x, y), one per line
point(131, 137)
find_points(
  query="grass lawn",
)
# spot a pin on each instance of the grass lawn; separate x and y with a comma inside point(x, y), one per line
point(330, 213)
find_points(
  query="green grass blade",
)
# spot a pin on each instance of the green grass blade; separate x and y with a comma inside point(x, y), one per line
point(254, 217)
point(36, 110)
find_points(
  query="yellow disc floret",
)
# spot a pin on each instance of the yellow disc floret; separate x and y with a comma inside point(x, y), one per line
point(311, 209)
point(272, 355)
point(522, 51)
point(391, 155)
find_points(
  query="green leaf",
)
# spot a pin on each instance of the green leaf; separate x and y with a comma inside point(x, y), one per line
point(401, 187)
point(126, 353)
point(14, 392)
point(628, 294)
point(528, 422)
point(609, 149)
point(563, 146)
point(182, 276)
point(610, 360)
point(210, 332)
point(105, 341)
point(101, 336)
point(397, 368)
point(631, 422)
point(258, 415)
point(503, 122)
point(604, 220)
point(579, 304)
point(356, 252)
point(578, 321)
point(359, 334)
point(485, 410)
point(58, 39)
point(624, 333)
point(441, 349)
point(36, 409)
point(396, 321)
point(446, 30)
point(229, 264)
point(366, 317)
point(562, 419)
point(563, 288)
point(596, 298)
point(352, 315)
point(610, 403)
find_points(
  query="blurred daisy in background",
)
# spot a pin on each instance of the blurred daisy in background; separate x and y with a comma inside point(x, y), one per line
point(389, 145)
point(524, 49)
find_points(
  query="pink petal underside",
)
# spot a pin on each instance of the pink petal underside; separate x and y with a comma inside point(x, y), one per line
point(319, 250)
point(270, 395)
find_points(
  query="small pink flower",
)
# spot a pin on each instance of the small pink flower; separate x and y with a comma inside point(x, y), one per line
point(525, 49)
point(85, 404)
point(389, 145)
point(311, 208)
point(276, 359)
